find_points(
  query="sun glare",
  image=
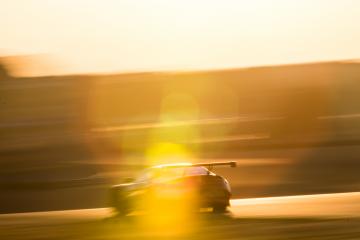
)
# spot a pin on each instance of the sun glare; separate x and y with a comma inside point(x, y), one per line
point(180, 34)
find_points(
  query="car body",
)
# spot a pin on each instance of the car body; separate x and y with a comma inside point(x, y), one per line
point(191, 185)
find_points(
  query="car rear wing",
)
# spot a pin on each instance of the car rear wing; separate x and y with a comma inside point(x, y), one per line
point(213, 164)
point(207, 165)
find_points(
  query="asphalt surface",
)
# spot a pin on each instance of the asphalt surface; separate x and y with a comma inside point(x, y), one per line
point(325, 216)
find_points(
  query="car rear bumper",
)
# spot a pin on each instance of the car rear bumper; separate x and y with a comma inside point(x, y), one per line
point(215, 198)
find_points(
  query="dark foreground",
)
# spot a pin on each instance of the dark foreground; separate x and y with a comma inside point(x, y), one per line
point(329, 216)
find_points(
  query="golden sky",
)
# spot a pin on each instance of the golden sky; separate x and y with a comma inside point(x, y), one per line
point(138, 35)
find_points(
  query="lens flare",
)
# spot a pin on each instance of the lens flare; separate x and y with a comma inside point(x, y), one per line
point(171, 206)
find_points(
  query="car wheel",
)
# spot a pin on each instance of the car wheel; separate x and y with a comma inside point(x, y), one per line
point(219, 208)
point(118, 203)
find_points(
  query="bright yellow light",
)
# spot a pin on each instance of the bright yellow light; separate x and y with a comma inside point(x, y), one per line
point(170, 207)
point(162, 153)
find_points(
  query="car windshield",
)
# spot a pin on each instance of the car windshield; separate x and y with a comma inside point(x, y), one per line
point(168, 173)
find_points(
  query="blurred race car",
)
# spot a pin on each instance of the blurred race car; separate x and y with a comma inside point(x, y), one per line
point(192, 186)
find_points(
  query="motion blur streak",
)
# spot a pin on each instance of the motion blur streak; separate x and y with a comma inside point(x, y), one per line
point(94, 130)
point(327, 216)
point(92, 92)
point(323, 205)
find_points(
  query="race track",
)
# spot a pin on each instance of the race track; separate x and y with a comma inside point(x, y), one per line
point(326, 216)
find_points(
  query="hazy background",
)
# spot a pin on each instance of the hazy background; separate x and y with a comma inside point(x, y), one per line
point(91, 91)
point(294, 129)
point(117, 35)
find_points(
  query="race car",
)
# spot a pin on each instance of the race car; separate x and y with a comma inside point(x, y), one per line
point(194, 186)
